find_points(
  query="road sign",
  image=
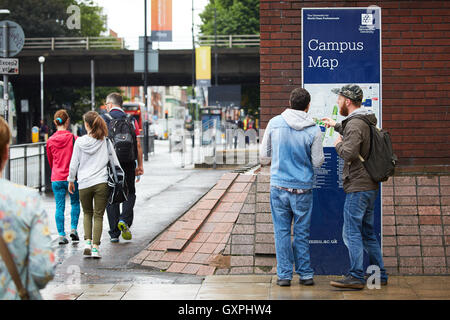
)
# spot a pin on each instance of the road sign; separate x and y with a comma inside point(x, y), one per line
point(16, 38)
point(153, 61)
point(9, 66)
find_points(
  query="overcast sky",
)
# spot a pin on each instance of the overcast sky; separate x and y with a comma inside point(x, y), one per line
point(127, 19)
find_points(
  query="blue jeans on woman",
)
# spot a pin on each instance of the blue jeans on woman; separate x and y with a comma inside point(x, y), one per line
point(358, 232)
point(287, 207)
point(59, 191)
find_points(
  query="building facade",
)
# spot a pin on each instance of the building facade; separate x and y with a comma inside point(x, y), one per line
point(415, 110)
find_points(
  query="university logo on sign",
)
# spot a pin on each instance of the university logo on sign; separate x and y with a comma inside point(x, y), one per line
point(367, 19)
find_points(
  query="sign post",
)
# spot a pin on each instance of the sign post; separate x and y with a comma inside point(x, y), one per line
point(12, 40)
point(339, 46)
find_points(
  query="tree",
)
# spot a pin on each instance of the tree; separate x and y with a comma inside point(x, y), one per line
point(77, 100)
point(48, 18)
point(232, 17)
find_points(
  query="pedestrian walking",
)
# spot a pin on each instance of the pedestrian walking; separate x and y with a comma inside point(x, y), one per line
point(292, 143)
point(43, 131)
point(27, 261)
point(59, 152)
point(123, 132)
point(89, 166)
point(358, 229)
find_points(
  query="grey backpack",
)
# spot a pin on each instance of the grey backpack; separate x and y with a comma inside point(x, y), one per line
point(381, 161)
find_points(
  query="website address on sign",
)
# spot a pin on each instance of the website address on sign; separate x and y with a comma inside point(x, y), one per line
point(334, 241)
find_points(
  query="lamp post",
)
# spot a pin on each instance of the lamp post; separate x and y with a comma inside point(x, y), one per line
point(215, 47)
point(41, 60)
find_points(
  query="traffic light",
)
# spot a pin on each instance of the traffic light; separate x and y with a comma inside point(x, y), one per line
point(166, 114)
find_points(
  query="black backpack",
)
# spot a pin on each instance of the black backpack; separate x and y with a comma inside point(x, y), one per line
point(123, 137)
point(381, 161)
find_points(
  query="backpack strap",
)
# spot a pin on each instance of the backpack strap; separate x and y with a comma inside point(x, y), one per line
point(360, 117)
point(371, 135)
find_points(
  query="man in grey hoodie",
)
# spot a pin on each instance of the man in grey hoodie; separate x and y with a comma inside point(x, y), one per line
point(292, 142)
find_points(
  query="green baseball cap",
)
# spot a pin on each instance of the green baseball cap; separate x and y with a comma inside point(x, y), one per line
point(351, 91)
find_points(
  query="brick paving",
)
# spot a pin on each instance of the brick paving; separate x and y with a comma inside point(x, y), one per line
point(194, 243)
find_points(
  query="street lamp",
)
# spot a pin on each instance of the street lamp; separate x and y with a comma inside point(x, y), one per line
point(41, 60)
point(4, 11)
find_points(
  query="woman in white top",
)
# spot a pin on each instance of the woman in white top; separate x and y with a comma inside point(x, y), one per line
point(89, 166)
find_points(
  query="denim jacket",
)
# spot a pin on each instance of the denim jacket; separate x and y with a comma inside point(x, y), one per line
point(24, 226)
point(293, 143)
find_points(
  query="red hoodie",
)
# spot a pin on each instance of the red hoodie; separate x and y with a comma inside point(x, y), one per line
point(59, 153)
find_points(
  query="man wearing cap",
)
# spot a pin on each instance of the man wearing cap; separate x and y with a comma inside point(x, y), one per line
point(358, 229)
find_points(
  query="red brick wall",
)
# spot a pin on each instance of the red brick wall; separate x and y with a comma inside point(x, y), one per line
point(416, 225)
point(416, 57)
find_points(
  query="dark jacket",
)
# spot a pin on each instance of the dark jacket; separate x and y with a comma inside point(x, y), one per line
point(355, 142)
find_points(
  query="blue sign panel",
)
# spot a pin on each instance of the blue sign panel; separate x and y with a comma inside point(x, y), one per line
point(339, 46)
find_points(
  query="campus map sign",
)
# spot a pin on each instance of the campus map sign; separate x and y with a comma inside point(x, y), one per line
point(339, 46)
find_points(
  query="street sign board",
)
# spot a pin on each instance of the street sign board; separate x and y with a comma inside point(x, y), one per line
point(153, 61)
point(339, 46)
point(9, 66)
point(16, 38)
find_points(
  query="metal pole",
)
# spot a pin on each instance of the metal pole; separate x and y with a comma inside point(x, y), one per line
point(5, 77)
point(92, 85)
point(193, 52)
point(216, 76)
point(145, 83)
point(194, 97)
point(42, 91)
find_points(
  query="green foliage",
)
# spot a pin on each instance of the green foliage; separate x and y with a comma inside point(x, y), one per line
point(93, 21)
point(77, 100)
point(48, 18)
point(250, 99)
point(232, 17)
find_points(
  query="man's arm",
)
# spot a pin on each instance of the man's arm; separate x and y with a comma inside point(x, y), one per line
point(265, 150)
point(140, 155)
point(349, 148)
point(331, 123)
point(317, 156)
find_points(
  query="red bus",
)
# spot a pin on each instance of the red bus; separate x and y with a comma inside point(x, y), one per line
point(136, 109)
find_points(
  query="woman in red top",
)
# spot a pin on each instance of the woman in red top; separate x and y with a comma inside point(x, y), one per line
point(59, 153)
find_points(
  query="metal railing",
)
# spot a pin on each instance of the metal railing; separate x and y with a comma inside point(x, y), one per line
point(91, 43)
point(27, 165)
point(87, 43)
point(151, 142)
point(215, 143)
point(230, 41)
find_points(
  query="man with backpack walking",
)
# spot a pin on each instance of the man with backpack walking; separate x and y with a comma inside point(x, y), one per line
point(353, 145)
point(123, 131)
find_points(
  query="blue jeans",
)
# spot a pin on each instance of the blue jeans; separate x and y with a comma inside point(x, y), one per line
point(358, 232)
point(60, 190)
point(287, 207)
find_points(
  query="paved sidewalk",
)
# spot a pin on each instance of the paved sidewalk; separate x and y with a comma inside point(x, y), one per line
point(164, 193)
point(195, 243)
point(254, 287)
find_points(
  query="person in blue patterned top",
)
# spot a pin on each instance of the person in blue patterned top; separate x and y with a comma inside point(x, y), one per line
point(24, 226)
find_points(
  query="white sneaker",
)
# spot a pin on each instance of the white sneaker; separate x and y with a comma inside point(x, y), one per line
point(95, 253)
point(87, 248)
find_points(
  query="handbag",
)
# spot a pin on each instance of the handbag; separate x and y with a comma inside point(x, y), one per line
point(118, 189)
point(12, 269)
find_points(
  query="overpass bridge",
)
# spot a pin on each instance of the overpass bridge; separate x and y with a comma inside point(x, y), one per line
point(68, 63)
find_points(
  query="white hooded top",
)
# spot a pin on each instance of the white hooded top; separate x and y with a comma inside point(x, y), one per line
point(89, 162)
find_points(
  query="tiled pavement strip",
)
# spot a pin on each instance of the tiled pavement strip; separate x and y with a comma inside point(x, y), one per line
point(192, 243)
point(255, 287)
